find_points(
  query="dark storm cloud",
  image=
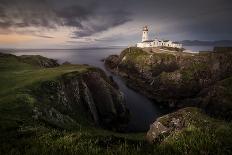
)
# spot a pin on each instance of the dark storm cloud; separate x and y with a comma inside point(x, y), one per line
point(49, 14)
point(196, 17)
point(26, 13)
point(203, 19)
point(99, 24)
point(74, 15)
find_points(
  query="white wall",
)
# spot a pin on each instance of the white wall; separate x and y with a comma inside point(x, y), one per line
point(157, 43)
point(145, 36)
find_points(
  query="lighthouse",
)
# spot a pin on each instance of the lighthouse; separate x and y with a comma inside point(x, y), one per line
point(156, 42)
point(145, 34)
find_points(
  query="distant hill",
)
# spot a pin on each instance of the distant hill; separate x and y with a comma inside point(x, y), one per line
point(207, 43)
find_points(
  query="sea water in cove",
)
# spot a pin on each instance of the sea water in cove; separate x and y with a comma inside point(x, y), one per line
point(143, 111)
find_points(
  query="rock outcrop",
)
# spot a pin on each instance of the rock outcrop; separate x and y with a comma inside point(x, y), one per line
point(172, 78)
point(75, 97)
point(217, 99)
point(35, 60)
point(38, 60)
point(172, 123)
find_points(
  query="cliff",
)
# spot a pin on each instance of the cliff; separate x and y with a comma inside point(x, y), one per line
point(172, 78)
point(39, 97)
point(62, 95)
point(88, 96)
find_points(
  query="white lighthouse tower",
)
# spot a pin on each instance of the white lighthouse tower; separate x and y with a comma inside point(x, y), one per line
point(156, 42)
point(145, 34)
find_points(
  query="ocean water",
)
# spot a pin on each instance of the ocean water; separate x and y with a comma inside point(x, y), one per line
point(143, 111)
point(199, 48)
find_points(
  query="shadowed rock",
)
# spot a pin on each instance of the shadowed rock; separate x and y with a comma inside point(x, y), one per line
point(174, 79)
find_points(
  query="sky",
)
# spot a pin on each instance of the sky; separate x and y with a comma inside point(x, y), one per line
point(102, 23)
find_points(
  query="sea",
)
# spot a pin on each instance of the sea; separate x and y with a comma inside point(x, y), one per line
point(142, 110)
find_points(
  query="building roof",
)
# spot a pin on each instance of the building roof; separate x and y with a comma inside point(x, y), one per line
point(176, 42)
point(145, 28)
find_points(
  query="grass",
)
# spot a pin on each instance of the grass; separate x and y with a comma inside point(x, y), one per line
point(138, 57)
point(202, 135)
point(16, 101)
point(20, 134)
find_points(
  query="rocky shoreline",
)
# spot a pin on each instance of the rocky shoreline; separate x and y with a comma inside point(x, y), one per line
point(176, 79)
point(192, 83)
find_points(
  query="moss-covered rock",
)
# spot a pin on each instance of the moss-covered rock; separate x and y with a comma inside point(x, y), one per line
point(217, 99)
point(190, 131)
point(171, 77)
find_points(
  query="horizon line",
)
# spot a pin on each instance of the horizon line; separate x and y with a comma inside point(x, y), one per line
point(82, 48)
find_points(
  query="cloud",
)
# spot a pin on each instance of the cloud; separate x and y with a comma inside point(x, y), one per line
point(85, 16)
point(26, 13)
point(44, 36)
point(102, 22)
point(117, 22)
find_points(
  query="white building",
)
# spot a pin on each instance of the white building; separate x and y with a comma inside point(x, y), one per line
point(156, 43)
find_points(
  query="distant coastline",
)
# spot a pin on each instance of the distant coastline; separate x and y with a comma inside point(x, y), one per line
point(206, 43)
point(80, 48)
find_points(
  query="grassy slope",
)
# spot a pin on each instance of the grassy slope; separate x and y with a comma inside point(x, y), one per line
point(15, 79)
point(20, 135)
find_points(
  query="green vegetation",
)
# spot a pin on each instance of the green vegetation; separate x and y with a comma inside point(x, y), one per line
point(20, 133)
point(134, 55)
point(194, 70)
point(173, 49)
point(201, 134)
point(137, 59)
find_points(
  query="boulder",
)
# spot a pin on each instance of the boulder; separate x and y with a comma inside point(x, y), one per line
point(170, 123)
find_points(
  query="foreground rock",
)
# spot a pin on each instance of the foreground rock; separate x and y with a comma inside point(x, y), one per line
point(190, 131)
point(170, 123)
point(190, 127)
point(172, 78)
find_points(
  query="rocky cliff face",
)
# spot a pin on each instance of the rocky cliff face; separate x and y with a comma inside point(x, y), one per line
point(65, 96)
point(171, 78)
point(217, 99)
point(87, 97)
